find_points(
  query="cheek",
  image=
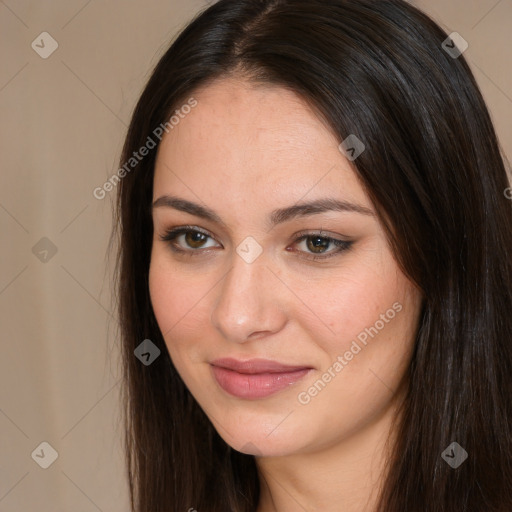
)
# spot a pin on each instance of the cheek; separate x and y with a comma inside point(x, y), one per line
point(376, 337)
point(366, 360)
point(166, 304)
point(371, 312)
point(350, 301)
point(179, 303)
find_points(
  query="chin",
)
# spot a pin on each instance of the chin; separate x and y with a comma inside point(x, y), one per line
point(263, 448)
point(260, 443)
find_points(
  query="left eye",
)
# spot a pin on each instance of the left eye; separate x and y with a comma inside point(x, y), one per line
point(194, 239)
point(318, 244)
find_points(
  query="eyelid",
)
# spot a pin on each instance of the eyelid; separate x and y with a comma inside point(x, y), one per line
point(321, 233)
point(172, 233)
point(341, 245)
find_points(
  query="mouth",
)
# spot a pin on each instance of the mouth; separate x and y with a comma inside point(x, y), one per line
point(255, 378)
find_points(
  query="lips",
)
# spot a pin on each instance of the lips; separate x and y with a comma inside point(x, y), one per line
point(255, 378)
point(255, 366)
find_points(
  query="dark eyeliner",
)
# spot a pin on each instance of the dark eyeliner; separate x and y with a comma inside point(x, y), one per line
point(171, 234)
point(342, 245)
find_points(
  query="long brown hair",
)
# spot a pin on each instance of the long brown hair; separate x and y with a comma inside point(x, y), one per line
point(433, 169)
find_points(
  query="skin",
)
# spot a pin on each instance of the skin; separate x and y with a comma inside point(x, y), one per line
point(244, 151)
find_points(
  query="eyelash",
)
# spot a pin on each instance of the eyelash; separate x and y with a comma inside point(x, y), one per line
point(171, 235)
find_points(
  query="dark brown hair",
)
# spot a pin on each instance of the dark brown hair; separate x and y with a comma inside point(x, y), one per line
point(432, 168)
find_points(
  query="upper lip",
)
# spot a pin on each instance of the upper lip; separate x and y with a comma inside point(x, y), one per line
point(256, 365)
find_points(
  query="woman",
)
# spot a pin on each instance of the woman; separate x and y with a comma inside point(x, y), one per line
point(314, 268)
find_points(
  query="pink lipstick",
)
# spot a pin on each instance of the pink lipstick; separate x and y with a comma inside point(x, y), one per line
point(255, 378)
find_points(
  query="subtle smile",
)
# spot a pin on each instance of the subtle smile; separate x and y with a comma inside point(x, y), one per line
point(256, 378)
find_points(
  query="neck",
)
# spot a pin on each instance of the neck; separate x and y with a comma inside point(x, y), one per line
point(347, 475)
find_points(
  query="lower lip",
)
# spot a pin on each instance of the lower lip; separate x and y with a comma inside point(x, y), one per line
point(255, 385)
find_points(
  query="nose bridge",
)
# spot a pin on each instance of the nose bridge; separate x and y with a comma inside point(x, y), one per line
point(246, 301)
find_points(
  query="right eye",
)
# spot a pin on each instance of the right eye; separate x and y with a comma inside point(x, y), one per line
point(191, 237)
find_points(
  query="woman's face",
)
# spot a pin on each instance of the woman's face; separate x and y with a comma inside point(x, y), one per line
point(255, 279)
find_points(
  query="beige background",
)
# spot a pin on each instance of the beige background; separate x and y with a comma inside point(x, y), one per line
point(63, 123)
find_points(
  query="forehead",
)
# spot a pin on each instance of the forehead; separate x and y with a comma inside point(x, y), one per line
point(245, 141)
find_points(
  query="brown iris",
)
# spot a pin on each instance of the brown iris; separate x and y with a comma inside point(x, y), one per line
point(195, 239)
point(317, 242)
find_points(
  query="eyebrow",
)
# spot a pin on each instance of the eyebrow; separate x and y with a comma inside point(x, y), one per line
point(276, 216)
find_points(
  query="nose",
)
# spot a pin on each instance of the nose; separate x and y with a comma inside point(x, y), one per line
point(249, 302)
